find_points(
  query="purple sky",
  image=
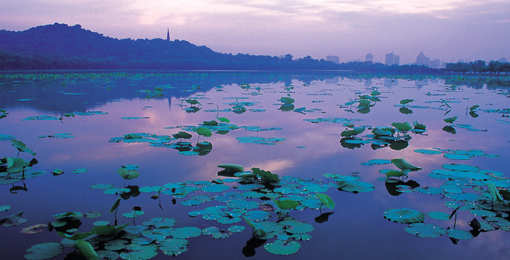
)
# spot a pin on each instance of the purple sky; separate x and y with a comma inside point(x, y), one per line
point(443, 29)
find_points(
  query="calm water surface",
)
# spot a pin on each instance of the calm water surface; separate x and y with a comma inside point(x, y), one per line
point(308, 150)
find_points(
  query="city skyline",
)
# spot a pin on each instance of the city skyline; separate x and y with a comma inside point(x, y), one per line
point(449, 30)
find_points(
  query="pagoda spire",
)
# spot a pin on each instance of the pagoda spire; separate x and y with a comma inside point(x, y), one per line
point(168, 34)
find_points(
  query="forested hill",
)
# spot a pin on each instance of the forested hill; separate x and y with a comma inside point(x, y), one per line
point(59, 46)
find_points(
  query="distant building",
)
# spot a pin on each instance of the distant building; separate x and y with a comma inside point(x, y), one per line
point(392, 59)
point(396, 60)
point(369, 57)
point(502, 60)
point(334, 59)
point(423, 60)
point(168, 34)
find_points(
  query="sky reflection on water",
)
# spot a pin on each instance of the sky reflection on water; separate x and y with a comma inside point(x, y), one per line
point(356, 230)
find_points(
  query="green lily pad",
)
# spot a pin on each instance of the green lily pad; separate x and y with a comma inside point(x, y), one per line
point(5, 208)
point(173, 246)
point(258, 215)
point(215, 188)
point(185, 232)
point(279, 247)
point(425, 230)
point(160, 222)
point(133, 213)
point(215, 232)
point(438, 215)
point(459, 234)
point(427, 151)
point(102, 186)
point(44, 251)
point(404, 215)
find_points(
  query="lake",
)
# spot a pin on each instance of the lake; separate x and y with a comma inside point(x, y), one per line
point(362, 166)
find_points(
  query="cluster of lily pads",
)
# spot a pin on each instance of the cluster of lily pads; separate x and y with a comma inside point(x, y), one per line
point(260, 199)
point(396, 137)
point(484, 194)
point(205, 129)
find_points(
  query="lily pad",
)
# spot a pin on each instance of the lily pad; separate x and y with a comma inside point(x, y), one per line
point(425, 230)
point(44, 251)
point(459, 234)
point(280, 247)
point(404, 215)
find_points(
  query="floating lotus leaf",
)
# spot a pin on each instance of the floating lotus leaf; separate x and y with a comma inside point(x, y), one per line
point(438, 215)
point(160, 222)
point(429, 190)
point(216, 188)
point(352, 132)
point(68, 216)
point(13, 220)
point(311, 203)
point(425, 230)
point(185, 232)
point(376, 162)
point(133, 214)
point(215, 232)
point(108, 230)
point(243, 204)
point(460, 167)
point(253, 195)
point(150, 189)
point(5, 208)
point(258, 215)
point(314, 187)
point(34, 229)
point(139, 252)
point(279, 247)
point(116, 191)
point(427, 151)
point(355, 186)
point(286, 203)
point(229, 196)
point(404, 215)
point(93, 214)
point(482, 213)
point(43, 251)
point(174, 246)
point(418, 126)
point(102, 186)
point(463, 196)
point(295, 227)
point(107, 255)
point(459, 234)
point(204, 131)
point(454, 156)
point(101, 223)
point(80, 170)
point(403, 127)
point(236, 229)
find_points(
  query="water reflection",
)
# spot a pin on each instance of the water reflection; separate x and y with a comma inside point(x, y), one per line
point(307, 147)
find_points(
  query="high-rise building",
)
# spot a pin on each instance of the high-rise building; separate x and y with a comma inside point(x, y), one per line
point(168, 34)
point(396, 59)
point(369, 57)
point(421, 59)
point(392, 59)
point(334, 59)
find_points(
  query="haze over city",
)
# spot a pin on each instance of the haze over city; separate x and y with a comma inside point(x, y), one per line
point(448, 30)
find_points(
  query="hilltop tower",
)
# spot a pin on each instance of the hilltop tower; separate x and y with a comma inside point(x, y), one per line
point(168, 34)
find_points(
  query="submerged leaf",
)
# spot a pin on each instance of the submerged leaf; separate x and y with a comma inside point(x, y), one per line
point(44, 251)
